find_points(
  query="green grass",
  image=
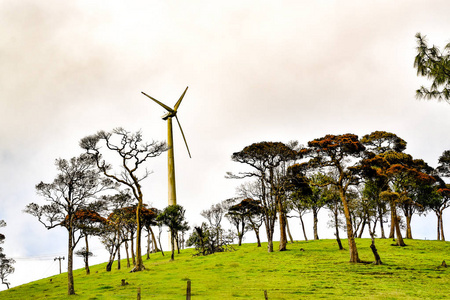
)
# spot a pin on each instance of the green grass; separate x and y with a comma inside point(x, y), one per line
point(320, 271)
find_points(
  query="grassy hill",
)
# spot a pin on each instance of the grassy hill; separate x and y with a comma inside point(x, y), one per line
point(314, 269)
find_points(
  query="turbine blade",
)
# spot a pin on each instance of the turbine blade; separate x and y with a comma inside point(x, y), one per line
point(179, 100)
point(182, 133)
point(160, 103)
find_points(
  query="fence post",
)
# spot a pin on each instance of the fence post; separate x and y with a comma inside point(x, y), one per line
point(139, 294)
point(188, 290)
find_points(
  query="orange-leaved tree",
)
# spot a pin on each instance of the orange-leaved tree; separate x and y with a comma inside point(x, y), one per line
point(339, 154)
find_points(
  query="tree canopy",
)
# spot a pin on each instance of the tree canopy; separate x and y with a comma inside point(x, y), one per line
point(433, 64)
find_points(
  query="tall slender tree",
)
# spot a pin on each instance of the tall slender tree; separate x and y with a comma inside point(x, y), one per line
point(269, 161)
point(341, 154)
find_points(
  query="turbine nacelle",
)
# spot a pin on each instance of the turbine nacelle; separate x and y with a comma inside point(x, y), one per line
point(172, 112)
point(169, 115)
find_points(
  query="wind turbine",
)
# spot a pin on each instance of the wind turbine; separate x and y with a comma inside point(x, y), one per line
point(171, 162)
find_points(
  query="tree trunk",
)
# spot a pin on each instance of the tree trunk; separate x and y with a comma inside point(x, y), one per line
point(172, 242)
point(112, 255)
point(393, 221)
point(372, 245)
point(375, 253)
point(133, 256)
point(400, 241)
point(86, 259)
point(282, 219)
point(257, 237)
point(362, 228)
point(128, 255)
point(336, 226)
point(288, 231)
point(269, 221)
point(315, 219)
point(154, 240)
point(438, 226)
point(148, 245)
point(118, 259)
point(383, 236)
point(269, 232)
point(160, 246)
point(303, 227)
point(442, 227)
point(109, 266)
point(354, 258)
point(408, 226)
point(70, 283)
point(139, 266)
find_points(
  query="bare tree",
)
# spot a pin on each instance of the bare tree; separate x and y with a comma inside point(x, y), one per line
point(133, 152)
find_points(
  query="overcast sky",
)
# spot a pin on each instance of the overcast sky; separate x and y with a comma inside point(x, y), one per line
point(256, 71)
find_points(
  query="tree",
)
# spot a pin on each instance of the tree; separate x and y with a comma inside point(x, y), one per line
point(334, 204)
point(297, 187)
point(85, 254)
point(6, 264)
point(90, 223)
point(371, 192)
point(381, 141)
point(206, 242)
point(406, 185)
point(251, 213)
point(438, 206)
point(133, 152)
point(148, 219)
point(126, 217)
point(338, 153)
point(173, 217)
point(215, 214)
point(113, 236)
point(77, 183)
point(313, 200)
point(435, 65)
point(377, 143)
point(269, 162)
point(113, 233)
point(441, 203)
point(237, 216)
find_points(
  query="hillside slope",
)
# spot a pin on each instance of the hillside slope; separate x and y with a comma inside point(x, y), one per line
point(314, 269)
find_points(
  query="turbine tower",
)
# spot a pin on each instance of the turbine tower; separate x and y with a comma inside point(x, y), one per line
point(170, 155)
